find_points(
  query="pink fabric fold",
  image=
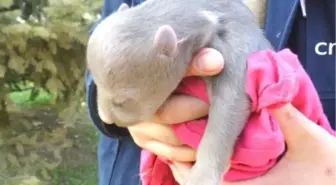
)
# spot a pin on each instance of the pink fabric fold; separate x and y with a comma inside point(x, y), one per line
point(273, 79)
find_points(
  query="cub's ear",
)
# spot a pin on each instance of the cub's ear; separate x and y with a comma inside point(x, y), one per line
point(123, 7)
point(165, 41)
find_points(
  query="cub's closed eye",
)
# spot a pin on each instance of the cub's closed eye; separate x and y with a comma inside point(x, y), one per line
point(119, 103)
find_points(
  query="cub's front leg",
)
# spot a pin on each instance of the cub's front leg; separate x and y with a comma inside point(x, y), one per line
point(229, 111)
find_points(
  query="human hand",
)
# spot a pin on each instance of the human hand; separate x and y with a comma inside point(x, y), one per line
point(309, 160)
point(157, 136)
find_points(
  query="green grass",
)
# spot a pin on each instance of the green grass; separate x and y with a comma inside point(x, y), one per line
point(22, 99)
point(75, 170)
point(84, 174)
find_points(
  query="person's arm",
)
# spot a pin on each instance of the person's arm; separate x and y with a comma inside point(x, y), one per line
point(309, 160)
point(109, 130)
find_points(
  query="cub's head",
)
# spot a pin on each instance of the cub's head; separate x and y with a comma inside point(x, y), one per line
point(134, 68)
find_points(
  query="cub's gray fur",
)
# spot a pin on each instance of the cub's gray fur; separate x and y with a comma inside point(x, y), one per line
point(137, 57)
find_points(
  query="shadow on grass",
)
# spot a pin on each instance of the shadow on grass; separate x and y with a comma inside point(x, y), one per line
point(38, 149)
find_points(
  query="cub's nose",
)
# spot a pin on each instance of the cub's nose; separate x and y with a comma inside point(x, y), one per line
point(105, 117)
point(125, 120)
point(124, 123)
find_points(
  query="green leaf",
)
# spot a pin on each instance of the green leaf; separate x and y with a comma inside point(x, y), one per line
point(17, 63)
point(13, 160)
point(19, 148)
point(30, 180)
point(17, 29)
point(54, 84)
point(52, 165)
point(57, 153)
point(45, 175)
point(50, 65)
point(68, 143)
point(20, 42)
point(39, 67)
point(53, 47)
point(3, 163)
point(41, 32)
point(2, 71)
point(33, 157)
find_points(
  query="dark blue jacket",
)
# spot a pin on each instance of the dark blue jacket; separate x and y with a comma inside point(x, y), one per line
point(311, 37)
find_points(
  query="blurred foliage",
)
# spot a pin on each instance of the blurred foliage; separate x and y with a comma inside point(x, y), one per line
point(42, 47)
point(39, 150)
point(44, 133)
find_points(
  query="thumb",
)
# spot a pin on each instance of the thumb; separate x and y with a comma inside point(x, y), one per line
point(298, 130)
point(207, 62)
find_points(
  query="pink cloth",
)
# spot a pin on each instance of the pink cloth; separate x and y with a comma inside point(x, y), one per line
point(273, 79)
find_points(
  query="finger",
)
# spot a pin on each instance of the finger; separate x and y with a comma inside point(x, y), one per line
point(185, 165)
point(207, 62)
point(176, 174)
point(172, 153)
point(181, 108)
point(298, 130)
point(144, 131)
point(180, 171)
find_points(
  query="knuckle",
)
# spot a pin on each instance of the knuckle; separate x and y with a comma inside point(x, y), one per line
point(288, 115)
